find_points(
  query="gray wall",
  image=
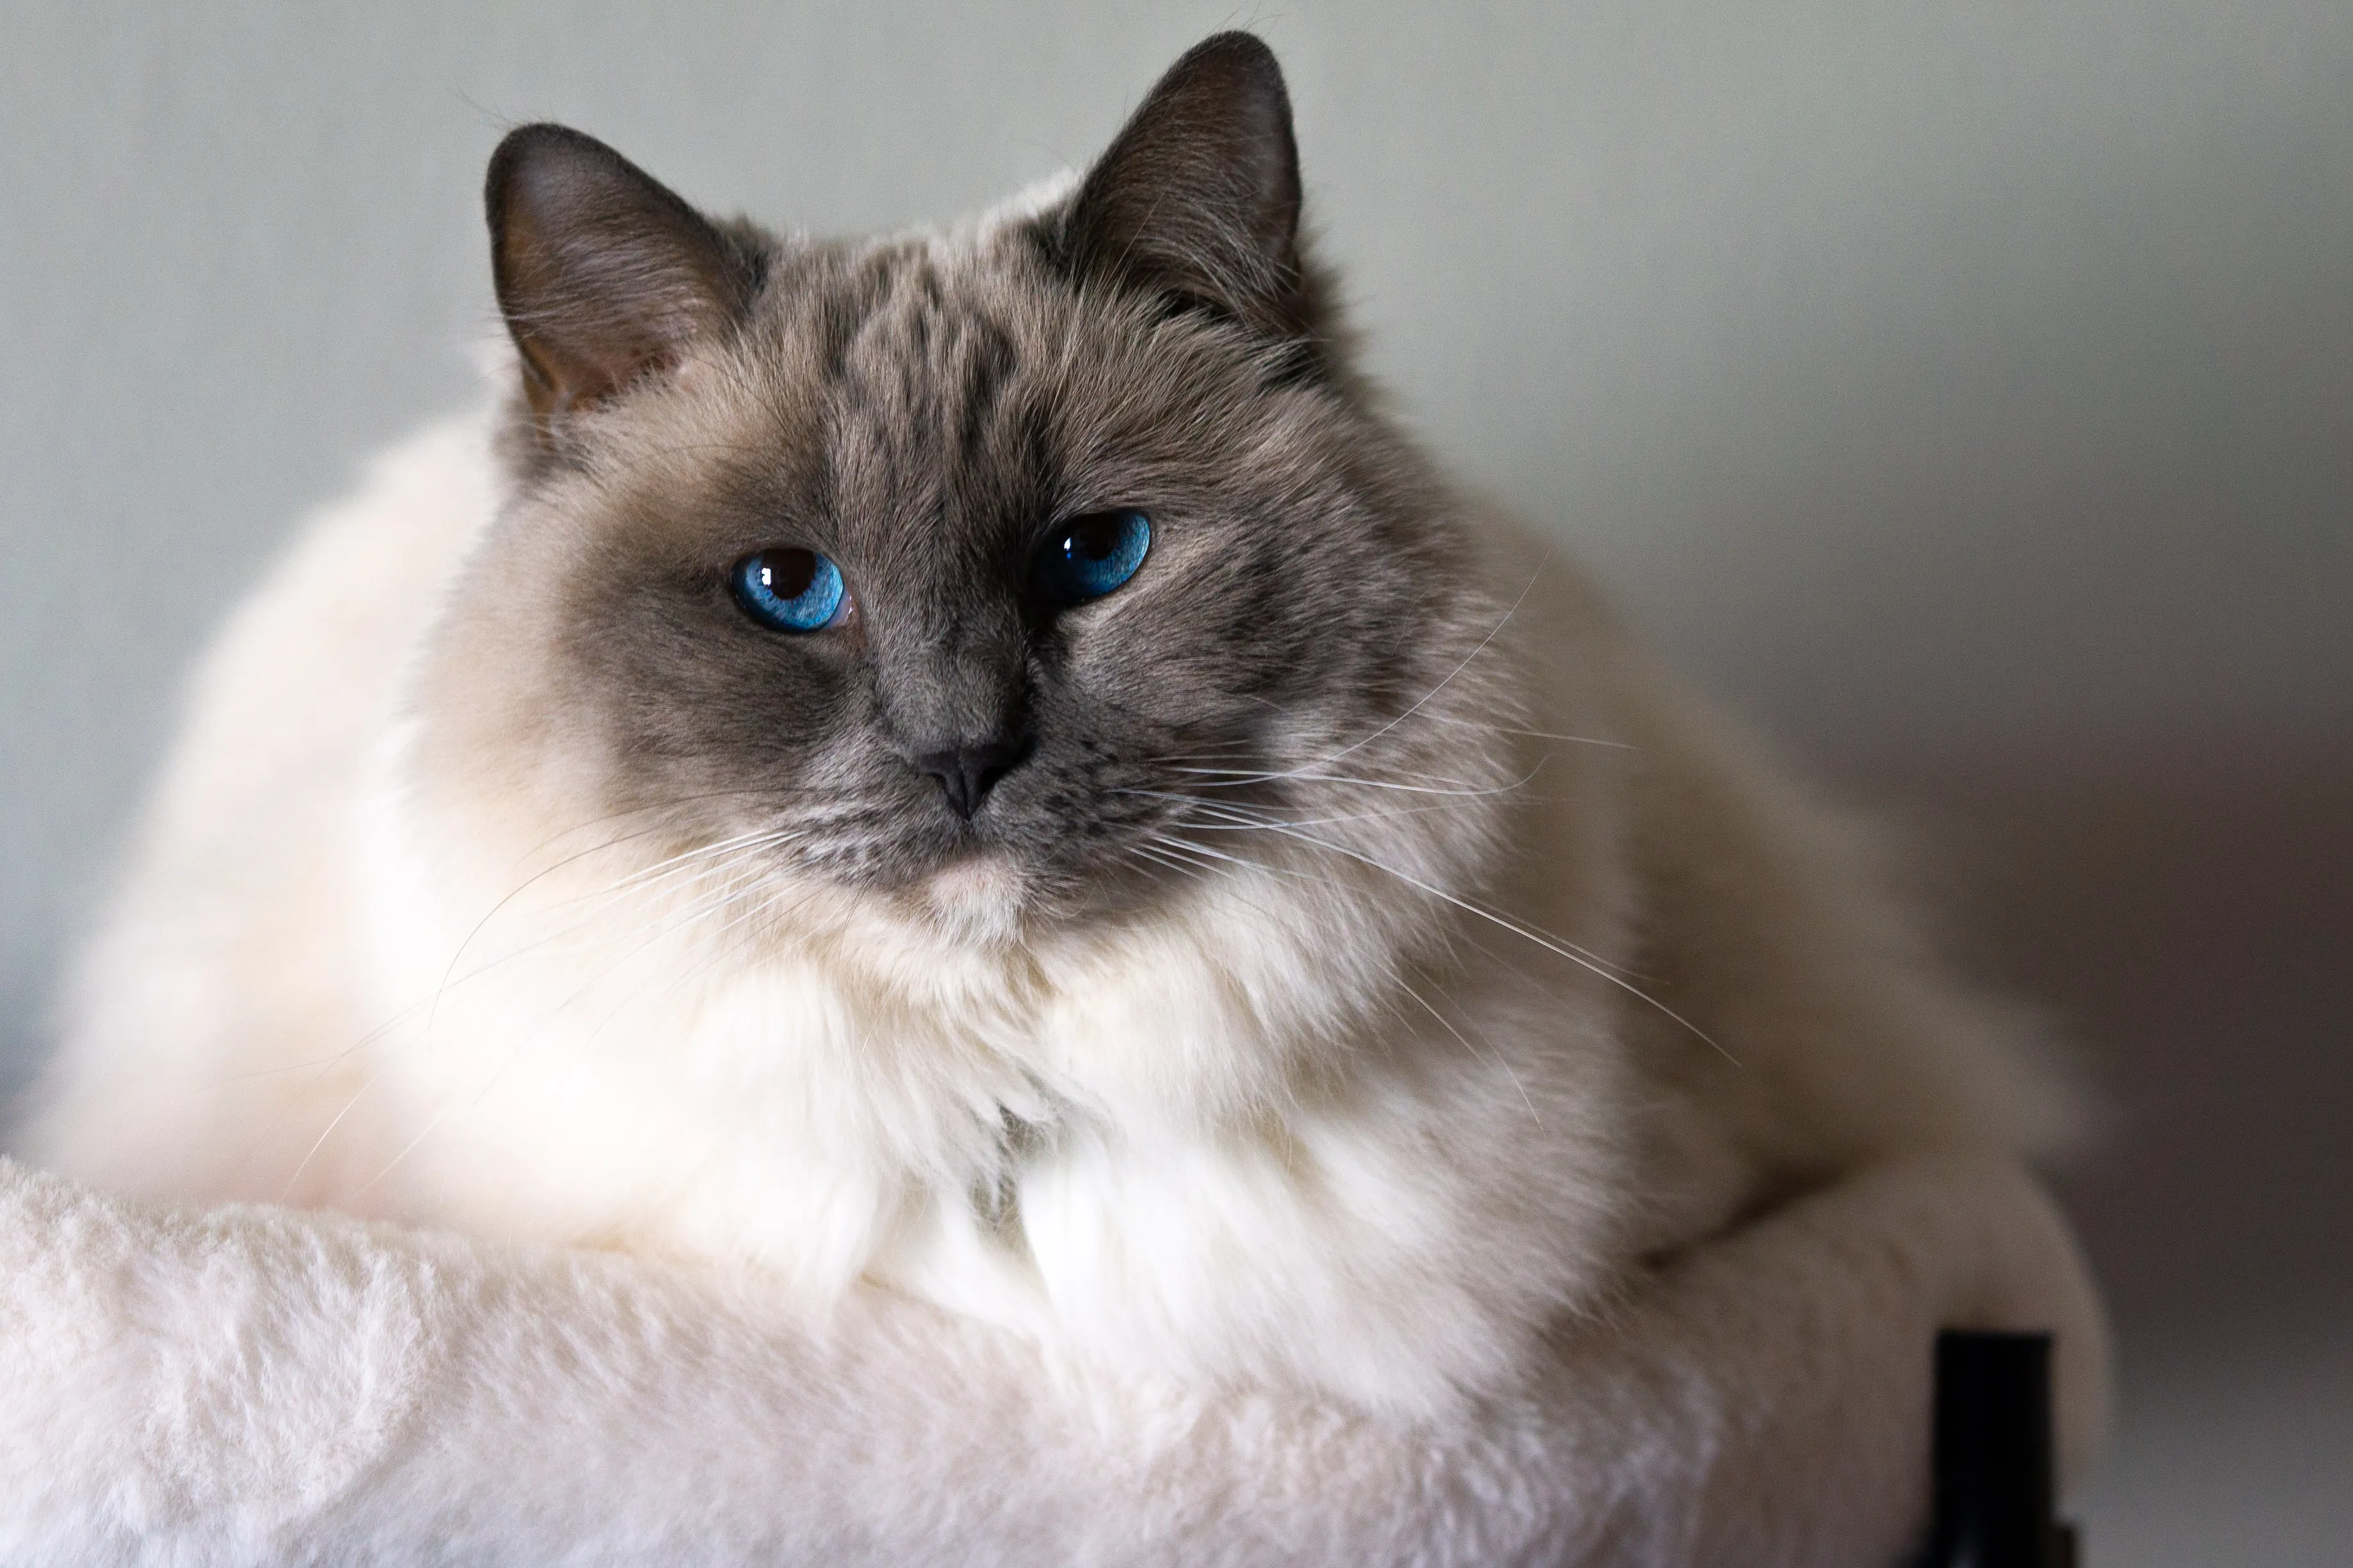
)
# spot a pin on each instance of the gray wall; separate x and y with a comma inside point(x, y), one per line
point(1966, 392)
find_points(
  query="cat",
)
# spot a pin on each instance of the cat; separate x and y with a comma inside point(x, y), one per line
point(984, 763)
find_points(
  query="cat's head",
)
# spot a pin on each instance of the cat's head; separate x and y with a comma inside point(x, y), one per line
point(1027, 577)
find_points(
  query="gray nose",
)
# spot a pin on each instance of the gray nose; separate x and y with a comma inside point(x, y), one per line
point(967, 773)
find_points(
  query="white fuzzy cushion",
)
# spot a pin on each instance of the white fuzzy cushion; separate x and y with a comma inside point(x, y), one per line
point(252, 1386)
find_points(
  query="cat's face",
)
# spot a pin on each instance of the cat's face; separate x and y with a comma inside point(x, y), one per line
point(1009, 576)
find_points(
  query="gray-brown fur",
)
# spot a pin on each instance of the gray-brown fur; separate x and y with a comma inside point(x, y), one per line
point(924, 412)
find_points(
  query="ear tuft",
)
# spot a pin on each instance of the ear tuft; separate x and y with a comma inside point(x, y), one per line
point(1197, 197)
point(604, 274)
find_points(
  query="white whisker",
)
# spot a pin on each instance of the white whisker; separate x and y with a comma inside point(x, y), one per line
point(1491, 1054)
point(1357, 783)
point(1553, 945)
point(1533, 734)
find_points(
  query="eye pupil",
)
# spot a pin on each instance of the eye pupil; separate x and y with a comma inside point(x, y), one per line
point(787, 573)
point(789, 590)
point(1094, 539)
point(1093, 556)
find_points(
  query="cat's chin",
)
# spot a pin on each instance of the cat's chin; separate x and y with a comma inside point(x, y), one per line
point(977, 898)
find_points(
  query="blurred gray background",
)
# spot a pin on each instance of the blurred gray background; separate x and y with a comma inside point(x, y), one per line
point(1964, 392)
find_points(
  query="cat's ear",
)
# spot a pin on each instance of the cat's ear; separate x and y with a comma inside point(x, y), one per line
point(604, 275)
point(1198, 198)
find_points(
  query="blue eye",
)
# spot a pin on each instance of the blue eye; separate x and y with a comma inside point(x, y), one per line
point(1088, 556)
point(791, 590)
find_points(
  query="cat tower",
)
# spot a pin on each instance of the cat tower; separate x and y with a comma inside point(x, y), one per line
point(263, 1386)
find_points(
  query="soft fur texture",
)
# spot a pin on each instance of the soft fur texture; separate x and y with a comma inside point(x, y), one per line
point(250, 1387)
point(1340, 965)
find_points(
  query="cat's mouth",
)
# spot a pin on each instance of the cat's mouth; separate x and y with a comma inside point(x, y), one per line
point(997, 887)
point(1047, 848)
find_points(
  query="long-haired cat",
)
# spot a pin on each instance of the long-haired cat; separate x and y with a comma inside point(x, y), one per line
point(983, 763)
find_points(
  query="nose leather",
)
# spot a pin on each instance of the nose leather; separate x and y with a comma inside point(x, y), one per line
point(967, 773)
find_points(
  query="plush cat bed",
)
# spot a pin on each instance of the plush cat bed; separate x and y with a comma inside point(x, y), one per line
point(252, 1386)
